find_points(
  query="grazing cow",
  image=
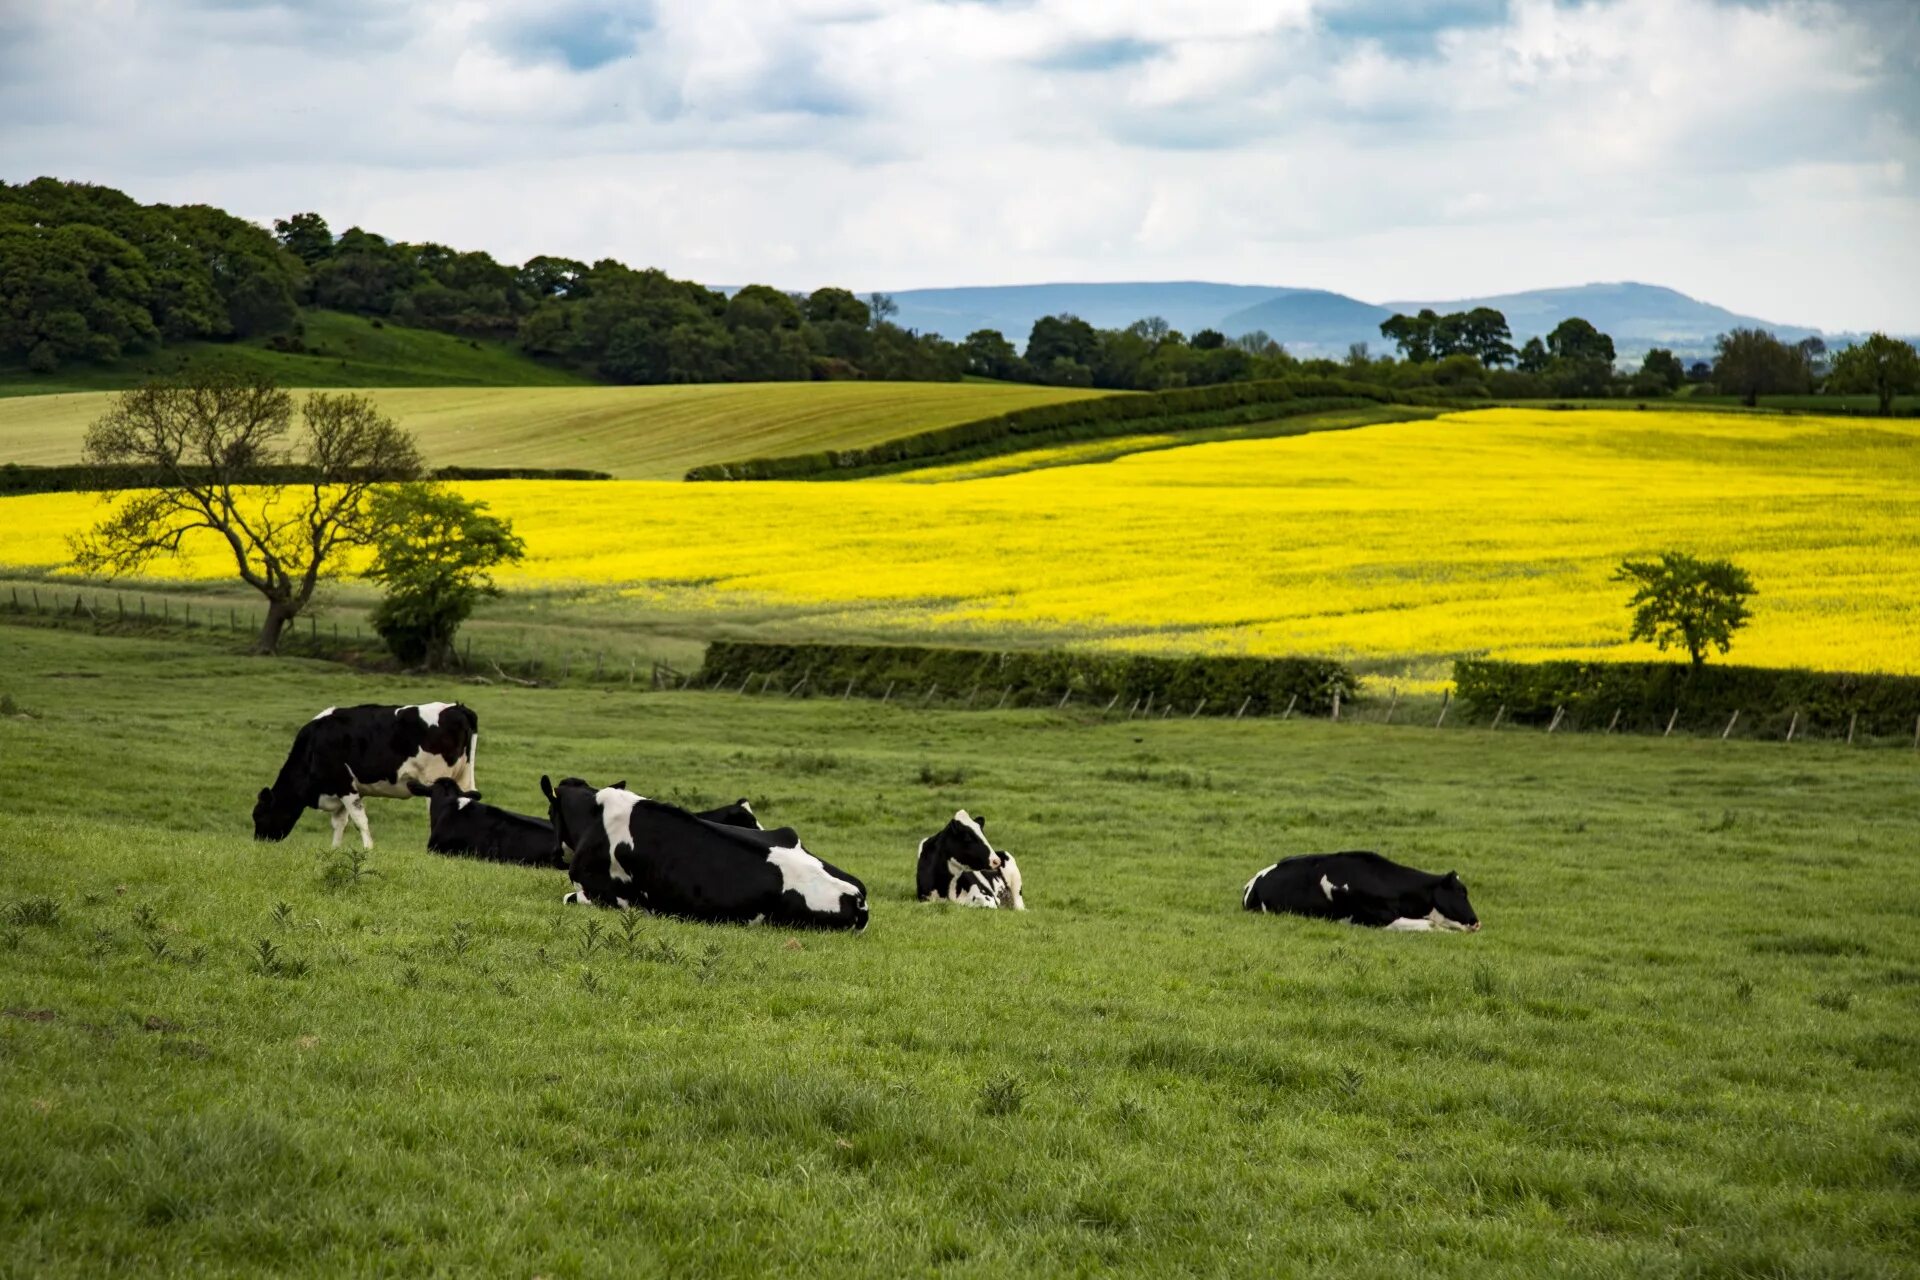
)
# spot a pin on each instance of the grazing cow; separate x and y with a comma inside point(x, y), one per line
point(959, 864)
point(632, 851)
point(1364, 889)
point(345, 753)
point(458, 823)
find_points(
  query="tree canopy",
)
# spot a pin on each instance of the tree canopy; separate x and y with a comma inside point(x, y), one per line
point(1682, 601)
point(1881, 366)
point(434, 551)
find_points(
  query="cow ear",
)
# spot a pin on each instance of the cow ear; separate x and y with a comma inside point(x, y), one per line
point(413, 785)
point(1453, 877)
point(620, 785)
point(546, 786)
point(980, 821)
point(471, 795)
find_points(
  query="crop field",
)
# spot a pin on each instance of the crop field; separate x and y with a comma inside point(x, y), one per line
point(1683, 1045)
point(652, 433)
point(1398, 545)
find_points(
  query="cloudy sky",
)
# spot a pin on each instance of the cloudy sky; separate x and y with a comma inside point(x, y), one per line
point(1762, 154)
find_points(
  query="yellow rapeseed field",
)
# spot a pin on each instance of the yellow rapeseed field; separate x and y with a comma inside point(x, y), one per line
point(1399, 545)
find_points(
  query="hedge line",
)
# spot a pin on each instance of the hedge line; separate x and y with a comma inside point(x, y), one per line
point(1646, 695)
point(1184, 410)
point(16, 479)
point(1266, 686)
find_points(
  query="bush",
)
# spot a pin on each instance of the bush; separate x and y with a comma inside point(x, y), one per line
point(1646, 694)
point(1188, 409)
point(1038, 677)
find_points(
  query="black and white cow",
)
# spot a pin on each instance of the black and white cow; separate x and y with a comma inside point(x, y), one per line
point(959, 864)
point(458, 823)
point(632, 851)
point(345, 753)
point(1361, 888)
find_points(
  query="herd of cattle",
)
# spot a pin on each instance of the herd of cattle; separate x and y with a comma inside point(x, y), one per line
point(622, 850)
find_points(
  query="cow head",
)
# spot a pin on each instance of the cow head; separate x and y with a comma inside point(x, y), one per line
point(273, 817)
point(443, 795)
point(572, 809)
point(963, 841)
point(1451, 910)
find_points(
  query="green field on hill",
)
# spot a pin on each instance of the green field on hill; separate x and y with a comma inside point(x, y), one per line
point(342, 351)
point(1683, 1045)
point(637, 433)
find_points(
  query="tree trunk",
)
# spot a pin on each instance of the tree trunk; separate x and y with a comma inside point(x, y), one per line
point(279, 614)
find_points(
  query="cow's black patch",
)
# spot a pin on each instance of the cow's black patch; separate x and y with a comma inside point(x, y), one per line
point(480, 830)
point(1358, 886)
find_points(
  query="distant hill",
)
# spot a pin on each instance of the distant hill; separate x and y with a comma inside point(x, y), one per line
point(1312, 322)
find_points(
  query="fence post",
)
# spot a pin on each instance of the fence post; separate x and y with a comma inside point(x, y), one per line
point(889, 693)
point(928, 698)
point(1558, 713)
point(805, 676)
point(1196, 709)
point(1336, 704)
point(1792, 725)
point(1110, 704)
point(1243, 706)
point(36, 598)
point(1497, 716)
point(849, 692)
point(1852, 720)
point(1003, 697)
point(1671, 721)
point(1288, 713)
point(597, 655)
point(1148, 709)
point(972, 693)
point(1615, 722)
point(1132, 707)
point(1392, 704)
point(1063, 699)
point(743, 681)
point(1731, 721)
point(1446, 702)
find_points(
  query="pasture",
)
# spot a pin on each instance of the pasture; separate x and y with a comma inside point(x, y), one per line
point(640, 433)
point(1684, 1044)
point(1398, 545)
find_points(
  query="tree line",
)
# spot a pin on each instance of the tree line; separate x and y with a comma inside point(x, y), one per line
point(1466, 353)
point(89, 274)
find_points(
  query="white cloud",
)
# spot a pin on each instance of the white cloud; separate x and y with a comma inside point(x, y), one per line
point(1763, 156)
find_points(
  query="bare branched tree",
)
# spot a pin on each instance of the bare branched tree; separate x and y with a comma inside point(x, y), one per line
point(215, 456)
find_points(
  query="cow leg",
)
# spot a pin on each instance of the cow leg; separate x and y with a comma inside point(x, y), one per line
point(1408, 924)
point(331, 806)
point(464, 775)
point(357, 810)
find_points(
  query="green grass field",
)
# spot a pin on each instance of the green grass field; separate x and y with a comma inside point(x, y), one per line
point(1684, 1045)
point(343, 351)
point(637, 433)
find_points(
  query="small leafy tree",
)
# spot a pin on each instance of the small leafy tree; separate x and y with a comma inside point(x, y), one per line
point(434, 552)
point(213, 454)
point(1882, 366)
point(1680, 601)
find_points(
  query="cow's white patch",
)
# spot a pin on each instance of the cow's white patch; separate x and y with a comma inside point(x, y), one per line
point(1010, 873)
point(759, 919)
point(462, 802)
point(1412, 924)
point(331, 806)
point(324, 714)
point(464, 768)
point(1441, 922)
point(616, 815)
point(976, 894)
point(578, 898)
point(1326, 887)
point(1246, 894)
point(429, 711)
point(748, 809)
point(358, 812)
point(423, 767)
point(806, 875)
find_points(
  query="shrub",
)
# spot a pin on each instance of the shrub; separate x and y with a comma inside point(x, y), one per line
point(1038, 677)
point(1646, 694)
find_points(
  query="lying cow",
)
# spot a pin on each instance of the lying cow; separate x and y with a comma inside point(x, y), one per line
point(632, 851)
point(345, 753)
point(458, 823)
point(958, 863)
point(1364, 889)
point(737, 814)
